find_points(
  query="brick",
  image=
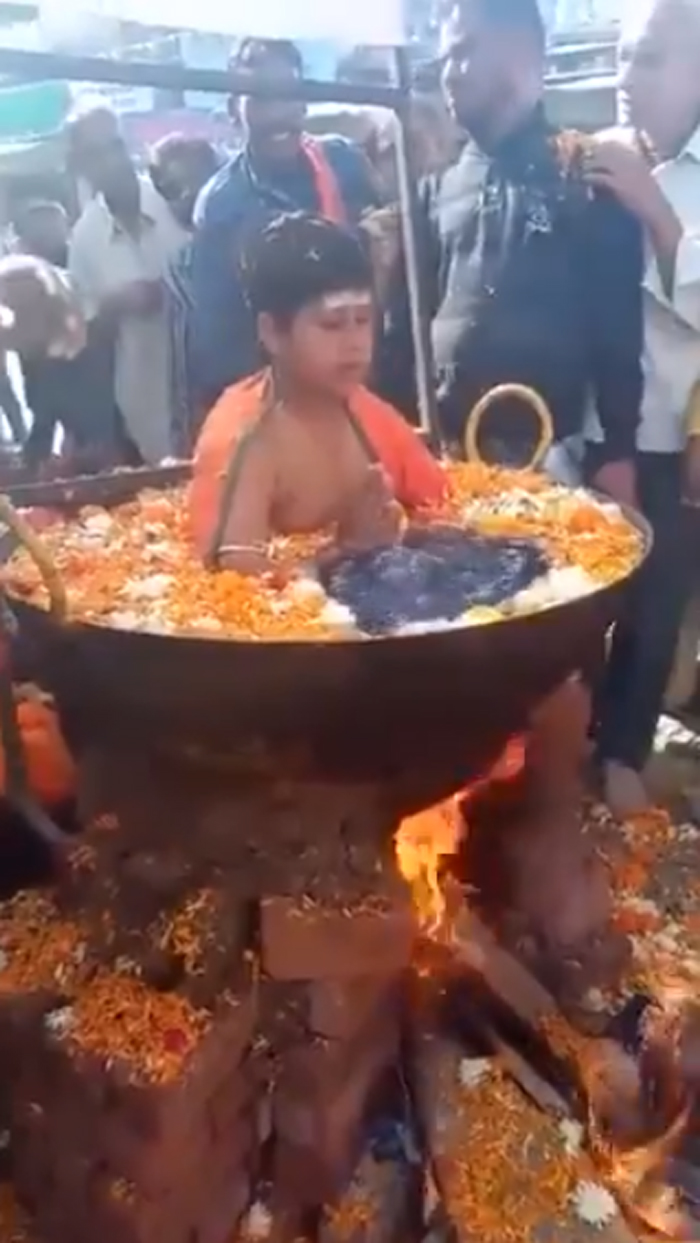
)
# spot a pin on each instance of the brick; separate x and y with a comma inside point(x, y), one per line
point(339, 1009)
point(229, 1101)
point(319, 1110)
point(317, 1145)
point(283, 1008)
point(316, 941)
point(102, 1106)
point(557, 743)
point(136, 885)
point(217, 1223)
point(48, 1152)
point(316, 1070)
point(211, 1214)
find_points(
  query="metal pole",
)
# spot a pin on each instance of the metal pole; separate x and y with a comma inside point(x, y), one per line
point(56, 66)
point(408, 201)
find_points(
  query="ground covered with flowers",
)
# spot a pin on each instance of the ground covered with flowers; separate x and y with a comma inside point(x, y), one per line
point(526, 1176)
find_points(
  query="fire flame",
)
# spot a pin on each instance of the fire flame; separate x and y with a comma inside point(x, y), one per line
point(425, 839)
point(639, 1172)
point(422, 842)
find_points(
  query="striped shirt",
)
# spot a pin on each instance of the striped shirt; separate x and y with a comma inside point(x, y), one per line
point(179, 305)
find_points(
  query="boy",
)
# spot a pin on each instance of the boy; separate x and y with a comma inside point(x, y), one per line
point(39, 314)
point(304, 445)
point(76, 392)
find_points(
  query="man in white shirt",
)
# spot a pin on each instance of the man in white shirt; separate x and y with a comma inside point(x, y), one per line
point(660, 89)
point(120, 250)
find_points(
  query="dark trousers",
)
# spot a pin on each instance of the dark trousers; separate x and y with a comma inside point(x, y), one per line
point(78, 396)
point(629, 697)
point(11, 405)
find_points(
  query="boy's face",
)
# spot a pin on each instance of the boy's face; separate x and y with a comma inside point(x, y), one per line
point(328, 345)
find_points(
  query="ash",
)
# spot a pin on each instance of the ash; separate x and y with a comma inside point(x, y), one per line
point(432, 577)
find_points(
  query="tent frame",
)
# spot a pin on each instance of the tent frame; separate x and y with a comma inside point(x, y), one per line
point(63, 66)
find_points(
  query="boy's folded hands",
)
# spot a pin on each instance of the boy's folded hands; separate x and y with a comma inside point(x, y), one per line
point(372, 515)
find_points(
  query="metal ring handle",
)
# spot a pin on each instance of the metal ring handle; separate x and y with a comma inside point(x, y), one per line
point(27, 538)
point(529, 398)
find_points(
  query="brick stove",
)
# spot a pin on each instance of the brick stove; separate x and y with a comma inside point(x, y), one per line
point(220, 1003)
point(225, 1000)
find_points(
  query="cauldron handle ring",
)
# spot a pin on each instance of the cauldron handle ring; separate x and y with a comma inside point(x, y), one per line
point(528, 397)
point(27, 539)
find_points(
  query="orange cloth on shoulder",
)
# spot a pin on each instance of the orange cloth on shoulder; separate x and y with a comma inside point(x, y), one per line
point(416, 478)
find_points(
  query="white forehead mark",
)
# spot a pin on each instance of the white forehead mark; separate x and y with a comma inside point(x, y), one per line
point(349, 299)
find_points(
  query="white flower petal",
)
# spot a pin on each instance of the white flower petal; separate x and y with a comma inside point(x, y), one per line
point(594, 1205)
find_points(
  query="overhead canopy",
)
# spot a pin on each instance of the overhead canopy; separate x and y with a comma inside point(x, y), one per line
point(33, 109)
point(363, 21)
point(30, 158)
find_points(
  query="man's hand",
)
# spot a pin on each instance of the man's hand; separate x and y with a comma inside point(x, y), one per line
point(618, 480)
point(372, 516)
point(137, 298)
point(382, 228)
point(625, 173)
point(39, 313)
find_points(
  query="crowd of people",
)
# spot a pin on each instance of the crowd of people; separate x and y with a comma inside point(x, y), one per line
point(566, 265)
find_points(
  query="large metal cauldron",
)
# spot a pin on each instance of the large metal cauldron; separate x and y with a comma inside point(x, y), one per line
point(440, 703)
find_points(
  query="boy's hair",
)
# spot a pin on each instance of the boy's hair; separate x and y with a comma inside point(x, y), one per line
point(298, 258)
point(197, 153)
point(252, 54)
point(180, 148)
point(26, 210)
point(80, 119)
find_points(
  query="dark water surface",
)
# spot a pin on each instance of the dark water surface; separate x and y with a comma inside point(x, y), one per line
point(432, 576)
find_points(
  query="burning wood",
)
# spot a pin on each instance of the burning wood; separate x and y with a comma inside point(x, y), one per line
point(635, 1108)
point(633, 1122)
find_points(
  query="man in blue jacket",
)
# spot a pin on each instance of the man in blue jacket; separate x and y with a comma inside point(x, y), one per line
point(279, 169)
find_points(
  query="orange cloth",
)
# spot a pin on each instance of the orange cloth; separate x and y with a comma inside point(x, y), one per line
point(416, 479)
point(50, 768)
point(330, 202)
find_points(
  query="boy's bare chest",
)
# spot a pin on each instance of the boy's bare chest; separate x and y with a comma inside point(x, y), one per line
point(317, 471)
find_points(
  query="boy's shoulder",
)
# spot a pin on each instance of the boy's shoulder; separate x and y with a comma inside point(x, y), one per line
point(234, 412)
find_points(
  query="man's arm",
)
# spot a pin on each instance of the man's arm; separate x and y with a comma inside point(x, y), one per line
point(675, 277)
point(102, 308)
point(613, 259)
point(357, 180)
point(675, 272)
point(222, 339)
